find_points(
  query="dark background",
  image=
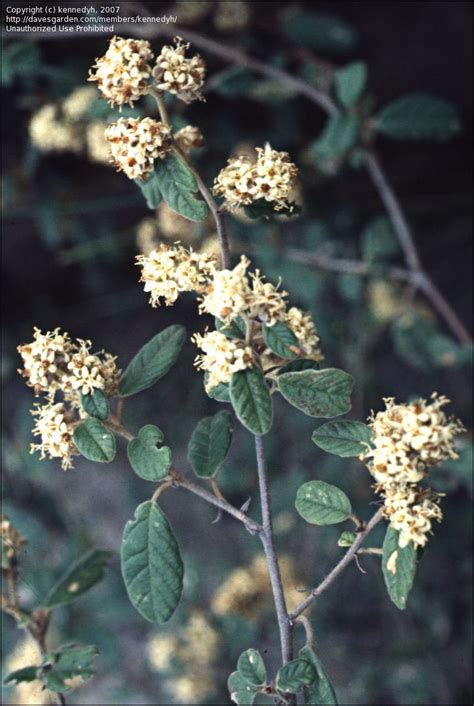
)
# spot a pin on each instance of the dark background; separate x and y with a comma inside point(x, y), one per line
point(68, 260)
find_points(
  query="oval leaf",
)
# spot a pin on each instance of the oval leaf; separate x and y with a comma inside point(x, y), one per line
point(152, 361)
point(219, 392)
point(294, 675)
point(251, 400)
point(176, 183)
point(78, 578)
point(94, 441)
point(350, 82)
point(320, 31)
point(343, 439)
point(147, 461)
point(295, 366)
point(321, 692)
point(96, 404)
point(318, 393)
point(26, 674)
point(252, 667)
point(210, 443)
point(338, 136)
point(320, 503)
point(281, 340)
point(241, 692)
point(151, 564)
point(418, 116)
point(233, 329)
point(399, 567)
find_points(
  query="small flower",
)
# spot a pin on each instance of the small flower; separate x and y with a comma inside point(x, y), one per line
point(229, 293)
point(161, 651)
point(221, 357)
point(175, 73)
point(411, 513)
point(266, 303)
point(271, 177)
point(304, 328)
point(87, 372)
point(135, 144)
point(45, 360)
point(54, 425)
point(168, 271)
point(188, 138)
point(77, 104)
point(409, 438)
point(123, 73)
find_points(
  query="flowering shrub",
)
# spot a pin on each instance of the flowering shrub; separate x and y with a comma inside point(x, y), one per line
point(258, 347)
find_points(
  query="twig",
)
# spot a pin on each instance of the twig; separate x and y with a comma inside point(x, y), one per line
point(371, 550)
point(216, 211)
point(178, 480)
point(308, 628)
point(266, 536)
point(340, 566)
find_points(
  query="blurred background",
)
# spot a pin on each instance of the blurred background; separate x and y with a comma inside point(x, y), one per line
point(71, 229)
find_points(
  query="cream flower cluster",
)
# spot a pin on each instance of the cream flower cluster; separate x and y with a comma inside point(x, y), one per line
point(189, 138)
point(175, 73)
point(135, 144)
point(271, 177)
point(170, 270)
point(221, 357)
point(49, 132)
point(55, 365)
point(407, 439)
point(123, 73)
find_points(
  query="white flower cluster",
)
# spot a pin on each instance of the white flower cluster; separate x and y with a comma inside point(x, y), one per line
point(135, 144)
point(271, 177)
point(55, 365)
point(221, 357)
point(407, 439)
point(179, 75)
point(170, 270)
point(123, 73)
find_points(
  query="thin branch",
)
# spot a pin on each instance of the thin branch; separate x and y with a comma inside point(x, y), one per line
point(217, 212)
point(266, 536)
point(340, 566)
point(308, 628)
point(178, 480)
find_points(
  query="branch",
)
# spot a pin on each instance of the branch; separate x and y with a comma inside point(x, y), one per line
point(266, 536)
point(345, 561)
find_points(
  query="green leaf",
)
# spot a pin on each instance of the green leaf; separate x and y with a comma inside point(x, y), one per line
point(346, 539)
point(379, 241)
point(295, 366)
point(321, 693)
point(419, 343)
point(177, 184)
point(94, 441)
point(251, 400)
point(338, 136)
point(78, 578)
point(235, 81)
point(209, 444)
point(219, 392)
point(399, 567)
point(343, 439)
point(150, 190)
point(418, 116)
point(152, 361)
point(281, 340)
point(320, 503)
point(241, 692)
point(350, 82)
point(147, 461)
point(318, 393)
point(252, 667)
point(152, 567)
point(68, 662)
point(294, 675)
point(26, 674)
point(96, 405)
point(233, 329)
point(320, 31)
